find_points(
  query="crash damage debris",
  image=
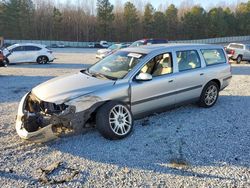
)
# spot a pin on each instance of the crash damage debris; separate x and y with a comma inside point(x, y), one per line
point(47, 173)
point(43, 121)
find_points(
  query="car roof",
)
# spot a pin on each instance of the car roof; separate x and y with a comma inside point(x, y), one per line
point(146, 49)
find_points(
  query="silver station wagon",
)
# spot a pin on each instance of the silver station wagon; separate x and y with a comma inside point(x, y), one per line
point(129, 84)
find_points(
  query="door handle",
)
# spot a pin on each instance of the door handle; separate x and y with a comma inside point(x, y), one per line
point(170, 81)
point(201, 74)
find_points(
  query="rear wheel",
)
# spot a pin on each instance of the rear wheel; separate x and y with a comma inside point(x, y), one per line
point(42, 60)
point(209, 95)
point(114, 120)
point(239, 59)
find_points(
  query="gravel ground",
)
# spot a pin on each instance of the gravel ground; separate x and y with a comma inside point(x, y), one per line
point(184, 147)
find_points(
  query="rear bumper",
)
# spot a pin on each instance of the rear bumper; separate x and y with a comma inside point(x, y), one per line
point(52, 60)
point(51, 57)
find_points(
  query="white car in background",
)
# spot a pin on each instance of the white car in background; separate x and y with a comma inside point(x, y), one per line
point(28, 53)
point(101, 53)
point(104, 44)
point(238, 52)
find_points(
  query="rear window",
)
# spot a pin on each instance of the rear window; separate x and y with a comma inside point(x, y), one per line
point(236, 46)
point(214, 56)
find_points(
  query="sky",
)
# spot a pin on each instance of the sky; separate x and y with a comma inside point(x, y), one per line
point(204, 3)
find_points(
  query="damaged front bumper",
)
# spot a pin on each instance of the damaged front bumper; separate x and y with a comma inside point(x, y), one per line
point(40, 121)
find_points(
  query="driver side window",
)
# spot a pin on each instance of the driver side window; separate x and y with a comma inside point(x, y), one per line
point(159, 65)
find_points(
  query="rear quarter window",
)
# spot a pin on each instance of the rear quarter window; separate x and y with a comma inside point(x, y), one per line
point(32, 48)
point(214, 56)
point(236, 46)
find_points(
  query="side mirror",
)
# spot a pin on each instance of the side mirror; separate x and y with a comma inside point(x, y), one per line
point(144, 77)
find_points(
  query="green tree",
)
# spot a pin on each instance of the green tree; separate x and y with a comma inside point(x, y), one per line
point(131, 20)
point(194, 23)
point(57, 20)
point(105, 18)
point(148, 21)
point(159, 25)
point(17, 18)
point(243, 18)
point(217, 25)
point(229, 18)
point(172, 22)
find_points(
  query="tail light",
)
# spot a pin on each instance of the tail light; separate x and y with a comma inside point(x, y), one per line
point(232, 52)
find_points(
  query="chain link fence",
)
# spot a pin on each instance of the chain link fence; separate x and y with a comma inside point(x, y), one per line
point(50, 43)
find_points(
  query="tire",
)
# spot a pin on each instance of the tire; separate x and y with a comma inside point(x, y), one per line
point(209, 95)
point(114, 120)
point(239, 59)
point(42, 60)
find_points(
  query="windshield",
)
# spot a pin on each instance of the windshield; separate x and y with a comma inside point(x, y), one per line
point(116, 66)
point(11, 47)
point(113, 47)
point(137, 43)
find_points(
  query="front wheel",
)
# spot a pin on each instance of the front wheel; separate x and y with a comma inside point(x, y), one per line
point(42, 60)
point(209, 95)
point(114, 120)
point(6, 62)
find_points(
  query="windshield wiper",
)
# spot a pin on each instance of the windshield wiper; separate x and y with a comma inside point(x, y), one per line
point(86, 71)
point(97, 74)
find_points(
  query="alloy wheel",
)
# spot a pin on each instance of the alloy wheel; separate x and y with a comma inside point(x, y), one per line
point(211, 95)
point(120, 120)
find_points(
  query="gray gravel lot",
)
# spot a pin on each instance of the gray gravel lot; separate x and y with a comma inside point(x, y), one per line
point(184, 147)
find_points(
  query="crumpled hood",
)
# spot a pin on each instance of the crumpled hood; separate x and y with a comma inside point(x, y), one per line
point(62, 89)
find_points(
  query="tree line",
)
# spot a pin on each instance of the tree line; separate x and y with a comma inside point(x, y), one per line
point(88, 20)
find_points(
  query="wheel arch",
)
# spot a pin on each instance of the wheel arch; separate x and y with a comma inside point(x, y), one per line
point(217, 81)
point(95, 108)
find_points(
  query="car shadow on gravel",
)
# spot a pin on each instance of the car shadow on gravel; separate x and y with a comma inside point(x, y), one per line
point(241, 69)
point(51, 66)
point(175, 142)
point(14, 87)
point(10, 174)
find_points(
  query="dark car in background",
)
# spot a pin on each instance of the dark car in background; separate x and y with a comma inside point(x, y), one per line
point(2, 59)
point(148, 42)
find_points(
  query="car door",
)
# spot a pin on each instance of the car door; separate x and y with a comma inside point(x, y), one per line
point(147, 96)
point(190, 77)
point(31, 53)
point(247, 53)
point(17, 55)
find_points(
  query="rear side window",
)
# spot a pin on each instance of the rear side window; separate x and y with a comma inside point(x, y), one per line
point(214, 56)
point(236, 46)
point(188, 60)
point(32, 48)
